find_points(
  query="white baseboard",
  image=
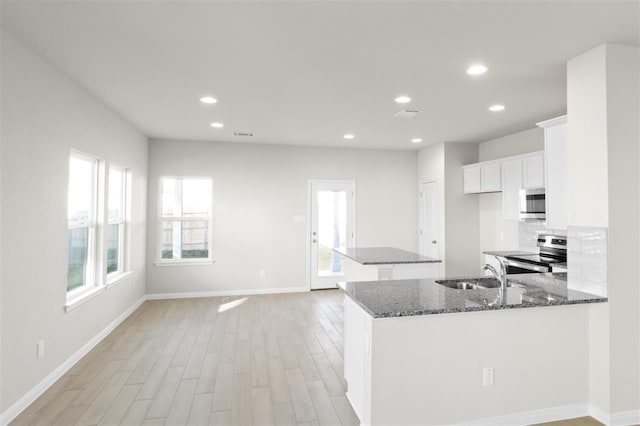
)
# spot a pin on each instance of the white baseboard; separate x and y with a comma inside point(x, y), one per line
point(625, 418)
point(532, 417)
point(189, 295)
point(27, 399)
point(599, 415)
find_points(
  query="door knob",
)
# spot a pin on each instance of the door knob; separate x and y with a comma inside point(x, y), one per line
point(314, 241)
point(434, 242)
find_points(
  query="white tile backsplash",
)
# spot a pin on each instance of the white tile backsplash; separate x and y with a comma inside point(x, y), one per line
point(587, 259)
point(529, 232)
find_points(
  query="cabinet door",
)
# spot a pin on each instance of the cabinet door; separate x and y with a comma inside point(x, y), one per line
point(511, 185)
point(490, 180)
point(533, 171)
point(555, 151)
point(472, 180)
point(357, 358)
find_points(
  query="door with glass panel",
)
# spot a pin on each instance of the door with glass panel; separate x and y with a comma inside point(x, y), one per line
point(332, 226)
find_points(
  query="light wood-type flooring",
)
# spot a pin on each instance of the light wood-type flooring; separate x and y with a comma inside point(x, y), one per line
point(580, 421)
point(261, 360)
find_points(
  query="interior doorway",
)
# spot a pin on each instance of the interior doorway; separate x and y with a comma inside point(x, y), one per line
point(429, 226)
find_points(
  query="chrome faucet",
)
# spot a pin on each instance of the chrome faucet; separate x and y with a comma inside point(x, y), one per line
point(500, 275)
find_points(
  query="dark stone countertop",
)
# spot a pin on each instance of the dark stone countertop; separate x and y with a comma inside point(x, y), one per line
point(384, 256)
point(401, 298)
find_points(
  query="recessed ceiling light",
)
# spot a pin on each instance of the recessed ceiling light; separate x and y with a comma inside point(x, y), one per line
point(209, 100)
point(349, 136)
point(217, 125)
point(496, 108)
point(402, 99)
point(416, 140)
point(476, 69)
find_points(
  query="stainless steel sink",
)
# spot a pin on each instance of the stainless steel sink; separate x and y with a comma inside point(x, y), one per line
point(470, 283)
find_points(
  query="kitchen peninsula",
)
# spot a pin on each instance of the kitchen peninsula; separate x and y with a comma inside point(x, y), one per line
point(385, 263)
point(420, 352)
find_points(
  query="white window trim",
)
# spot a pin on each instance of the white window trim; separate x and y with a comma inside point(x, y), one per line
point(75, 300)
point(93, 284)
point(160, 218)
point(113, 280)
point(183, 262)
point(116, 277)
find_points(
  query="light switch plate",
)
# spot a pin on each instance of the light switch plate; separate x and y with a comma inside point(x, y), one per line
point(487, 376)
point(40, 352)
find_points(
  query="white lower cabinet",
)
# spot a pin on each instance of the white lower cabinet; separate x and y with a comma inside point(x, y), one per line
point(357, 359)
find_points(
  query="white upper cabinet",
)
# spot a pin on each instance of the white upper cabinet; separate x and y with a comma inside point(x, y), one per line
point(472, 180)
point(491, 181)
point(555, 158)
point(511, 185)
point(508, 175)
point(482, 177)
point(533, 171)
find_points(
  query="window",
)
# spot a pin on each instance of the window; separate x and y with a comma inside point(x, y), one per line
point(116, 222)
point(82, 210)
point(185, 220)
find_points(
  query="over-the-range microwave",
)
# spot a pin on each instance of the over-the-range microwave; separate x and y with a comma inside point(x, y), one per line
point(532, 204)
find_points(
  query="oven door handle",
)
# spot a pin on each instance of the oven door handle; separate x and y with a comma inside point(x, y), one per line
point(525, 265)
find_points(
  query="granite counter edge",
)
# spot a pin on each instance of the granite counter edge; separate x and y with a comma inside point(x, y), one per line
point(387, 315)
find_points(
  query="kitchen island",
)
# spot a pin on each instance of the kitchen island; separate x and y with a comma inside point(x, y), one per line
point(386, 263)
point(418, 352)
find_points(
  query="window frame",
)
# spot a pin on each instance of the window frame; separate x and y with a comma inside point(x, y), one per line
point(124, 222)
point(162, 218)
point(92, 283)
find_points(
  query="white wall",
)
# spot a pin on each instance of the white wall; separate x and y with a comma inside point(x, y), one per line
point(258, 189)
point(604, 131)
point(1, 232)
point(44, 115)
point(497, 233)
point(587, 139)
point(623, 139)
point(431, 169)
point(539, 356)
point(531, 140)
point(458, 212)
point(461, 211)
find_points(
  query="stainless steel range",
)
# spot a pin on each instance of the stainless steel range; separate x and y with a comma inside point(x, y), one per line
point(552, 250)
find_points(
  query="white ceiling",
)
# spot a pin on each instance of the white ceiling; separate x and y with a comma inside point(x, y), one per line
point(306, 73)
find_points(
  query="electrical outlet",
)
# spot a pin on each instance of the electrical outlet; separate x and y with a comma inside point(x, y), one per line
point(40, 352)
point(263, 273)
point(487, 376)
